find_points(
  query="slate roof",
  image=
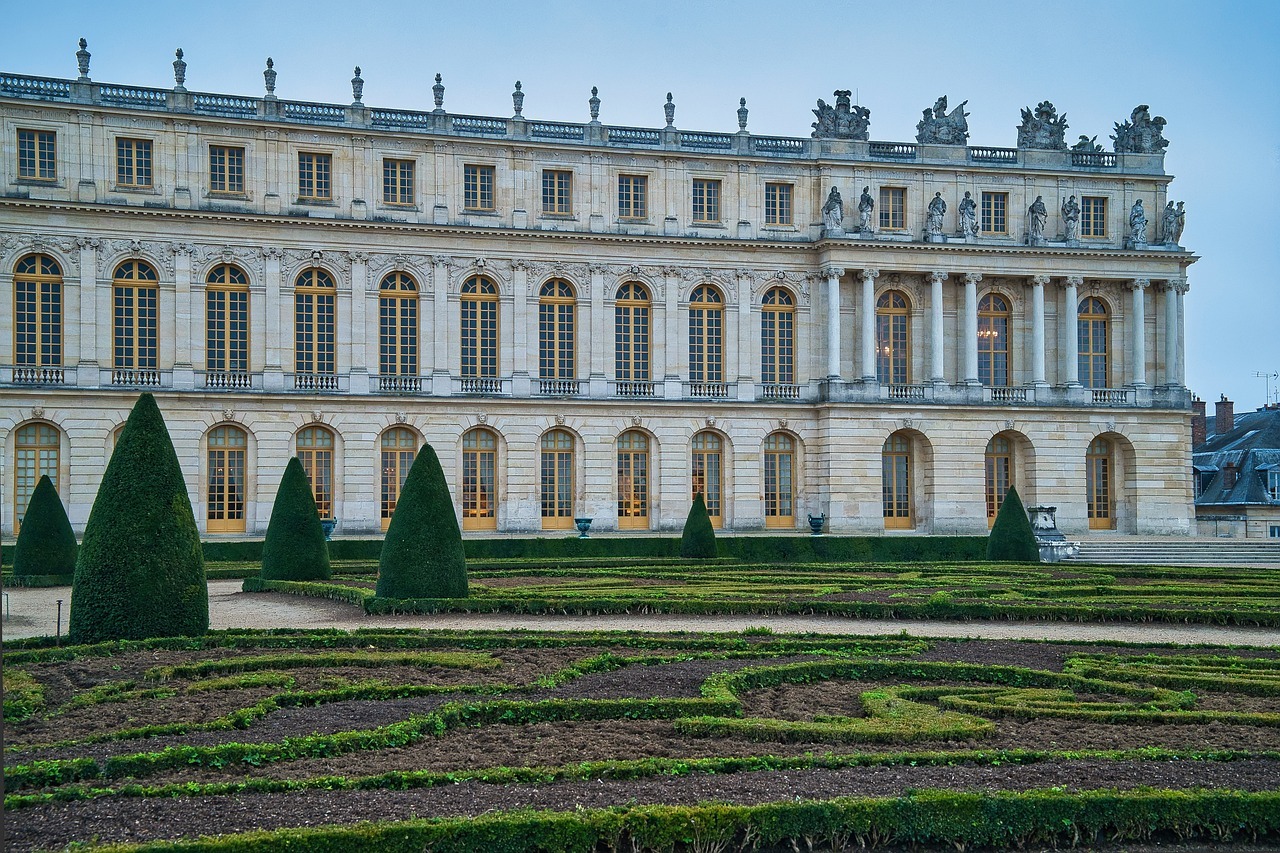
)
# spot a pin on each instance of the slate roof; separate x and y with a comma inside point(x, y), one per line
point(1252, 448)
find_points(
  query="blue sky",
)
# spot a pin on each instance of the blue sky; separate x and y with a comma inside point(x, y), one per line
point(1211, 69)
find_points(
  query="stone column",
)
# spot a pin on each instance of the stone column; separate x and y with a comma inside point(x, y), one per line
point(1171, 293)
point(971, 280)
point(441, 384)
point(1037, 330)
point(1182, 289)
point(833, 274)
point(1139, 338)
point(869, 324)
point(1069, 329)
point(937, 367)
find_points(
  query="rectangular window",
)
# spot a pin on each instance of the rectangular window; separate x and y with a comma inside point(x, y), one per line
point(38, 155)
point(1274, 531)
point(1273, 484)
point(994, 206)
point(133, 162)
point(477, 187)
point(37, 323)
point(557, 192)
point(135, 328)
point(226, 169)
point(777, 204)
point(893, 208)
point(706, 200)
point(227, 331)
point(632, 196)
point(1093, 216)
point(315, 177)
point(397, 181)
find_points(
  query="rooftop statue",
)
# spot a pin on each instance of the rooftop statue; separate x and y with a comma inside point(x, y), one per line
point(1043, 129)
point(1071, 220)
point(1087, 144)
point(845, 120)
point(1141, 134)
point(938, 127)
point(1037, 219)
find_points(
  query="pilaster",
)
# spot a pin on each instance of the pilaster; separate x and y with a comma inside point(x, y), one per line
point(868, 360)
point(361, 364)
point(1138, 337)
point(1038, 377)
point(1068, 330)
point(937, 367)
point(971, 280)
point(597, 382)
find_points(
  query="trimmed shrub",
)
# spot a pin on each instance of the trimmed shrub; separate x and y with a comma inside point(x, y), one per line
point(422, 554)
point(1012, 540)
point(698, 541)
point(140, 572)
point(294, 549)
point(46, 544)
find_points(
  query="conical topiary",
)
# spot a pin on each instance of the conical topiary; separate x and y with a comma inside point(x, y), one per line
point(422, 554)
point(699, 538)
point(140, 571)
point(46, 544)
point(294, 549)
point(1012, 540)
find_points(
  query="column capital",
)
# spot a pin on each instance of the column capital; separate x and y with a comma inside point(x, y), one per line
point(937, 276)
point(1175, 285)
point(1041, 280)
point(869, 274)
point(1139, 283)
point(1073, 281)
point(972, 277)
point(832, 271)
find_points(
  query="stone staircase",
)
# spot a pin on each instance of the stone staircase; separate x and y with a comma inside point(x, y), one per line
point(1180, 551)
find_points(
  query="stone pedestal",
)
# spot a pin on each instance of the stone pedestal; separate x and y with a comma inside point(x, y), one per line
point(1054, 546)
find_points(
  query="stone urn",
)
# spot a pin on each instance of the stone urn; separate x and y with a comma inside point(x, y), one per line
point(816, 522)
point(327, 525)
point(583, 525)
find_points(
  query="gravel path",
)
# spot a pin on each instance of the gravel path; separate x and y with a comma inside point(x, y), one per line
point(33, 612)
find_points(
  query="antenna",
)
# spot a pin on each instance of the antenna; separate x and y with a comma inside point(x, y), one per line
point(1275, 374)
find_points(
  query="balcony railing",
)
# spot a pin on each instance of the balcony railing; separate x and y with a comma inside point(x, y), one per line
point(485, 385)
point(707, 390)
point(779, 391)
point(39, 375)
point(400, 384)
point(315, 382)
point(1008, 395)
point(559, 387)
point(635, 389)
point(228, 379)
point(981, 154)
point(904, 392)
point(1113, 396)
point(893, 150)
point(135, 378)
point(1094, 159)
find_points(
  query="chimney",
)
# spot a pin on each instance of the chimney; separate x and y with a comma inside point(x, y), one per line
point(1199, 428)
point(1224, 412)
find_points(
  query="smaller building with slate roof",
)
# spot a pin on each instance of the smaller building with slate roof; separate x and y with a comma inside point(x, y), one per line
point(1236, 468)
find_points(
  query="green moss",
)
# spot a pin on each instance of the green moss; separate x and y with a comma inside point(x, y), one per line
point(422, 555)
point(698, 541)
point(294, 549)
point(46, 545)
point(1012, 540)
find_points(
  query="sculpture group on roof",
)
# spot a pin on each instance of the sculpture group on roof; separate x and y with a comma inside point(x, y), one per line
point(939, 127)
point(1141, 134)
point(845, 120)
point(1043, 129)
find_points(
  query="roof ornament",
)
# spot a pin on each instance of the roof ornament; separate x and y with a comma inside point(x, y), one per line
point(669, 110)
point(179, 71)
point(357, 87)
point(742, 114)
point(82, 61)
point(594, 103)
point(269, 77)
point(517, 99)
point(845, 120)
point(938, 127)
point(1043, 129)
point(437, 91)
point(1141, 134)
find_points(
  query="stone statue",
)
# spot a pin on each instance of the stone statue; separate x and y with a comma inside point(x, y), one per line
point(1168, 223)
point(933, 220)
point(968, 210)
point(845, 120)
point(938, 127)
point(1037, 218)
point(866, 206)
point(1043, 129)
point(1071, 219)
point(1141, 134)
point(1088, 145)
point(1181, 222)
point(1138, 223)
point(833, 213)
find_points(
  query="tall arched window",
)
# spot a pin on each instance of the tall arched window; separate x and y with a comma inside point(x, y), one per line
point(479, 480)
point(633, 480)
point(999, 473)
point(557, 480)
point(226, 314)
point(315, 452)
point(993, 340)
point(398, 326)
point(1099, 480)
point(1093, 328)
point(37, 454)
point(135, 297)
point(896, 482)
point(893, 338)
point(706, 335)
point(225, 496)
point(37, 320)
point(555, 330)
point(779, 481)
point(707, 474)
point(778, 338)
point(315, 330)
point(479, 332)
point(399, 447)
point(631, 333)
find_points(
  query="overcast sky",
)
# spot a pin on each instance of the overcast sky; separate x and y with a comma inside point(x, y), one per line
point(1211, 68)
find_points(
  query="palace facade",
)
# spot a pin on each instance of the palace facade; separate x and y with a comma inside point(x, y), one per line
point(586, 319)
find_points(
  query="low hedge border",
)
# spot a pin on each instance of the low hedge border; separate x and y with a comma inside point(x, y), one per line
point(419, 660)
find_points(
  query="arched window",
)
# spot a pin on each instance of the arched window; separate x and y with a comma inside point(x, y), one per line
point(707, 474)
point(227, 327)
point(315, 452)
point(706, 335)
point(37, 454)
point(398, 326)
point(37, 320)
point(1093, 329)
point(557, 480)
point(778, 338)
point(993, 340)
point(135, 298)
point(479, 332)
point(479, 480)
point(555, 330)
point(633, 480)
point(315, 330)
point(225, 512)
point(779, 481)
point(1099, 474)
point(631, 333)
point(896, 482)
point(893, 338)
point(999, 474)
point(399, 447)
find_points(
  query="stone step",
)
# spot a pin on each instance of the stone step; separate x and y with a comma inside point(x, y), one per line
point(1168, 552)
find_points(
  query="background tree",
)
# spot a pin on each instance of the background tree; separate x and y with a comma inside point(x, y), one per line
point(294, 549)
point(1012, 540)
point(422, 555)
point(699, 538)
point(140, 570)
point(46, 543)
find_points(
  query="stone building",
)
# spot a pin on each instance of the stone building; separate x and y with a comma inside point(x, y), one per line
point(587, 319)
point(1236, 469)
